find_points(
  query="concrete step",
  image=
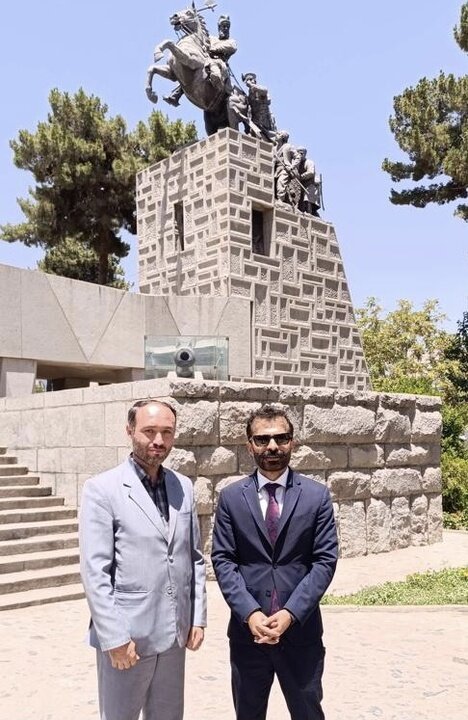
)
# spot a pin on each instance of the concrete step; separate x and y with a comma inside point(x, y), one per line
point(35, 579)
point(13, 470)
point(7, 517)
point(39, 543)
point(36, 560)
point(8, 460)
point(19, 480)
point(16, 531)
point(12, 601)
point(25, 490)
point(14, 503)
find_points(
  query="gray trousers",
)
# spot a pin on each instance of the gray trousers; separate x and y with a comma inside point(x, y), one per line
point(155, 685)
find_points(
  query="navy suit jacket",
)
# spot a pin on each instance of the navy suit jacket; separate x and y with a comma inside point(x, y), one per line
point(300, 565)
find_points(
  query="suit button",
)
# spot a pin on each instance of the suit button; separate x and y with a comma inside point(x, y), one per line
point(171, 559)
point(268, 593)
point(275, 565)
point(169, 590)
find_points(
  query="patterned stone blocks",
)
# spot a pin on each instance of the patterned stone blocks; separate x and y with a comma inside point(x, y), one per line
point(303, 328)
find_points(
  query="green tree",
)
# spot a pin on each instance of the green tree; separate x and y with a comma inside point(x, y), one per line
point(430, 124)
point(405, 350)
point(457, 352)
point(84, 166)
point(72, 259)
point(408, 351)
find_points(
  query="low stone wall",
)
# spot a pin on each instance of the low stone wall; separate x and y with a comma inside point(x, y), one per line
point(379, 454)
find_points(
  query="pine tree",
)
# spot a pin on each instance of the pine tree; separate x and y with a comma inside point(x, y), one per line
point(72, 259)
point(430, 125)
point(84, 165)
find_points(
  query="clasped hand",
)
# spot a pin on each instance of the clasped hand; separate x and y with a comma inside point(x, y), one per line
point(268, 630)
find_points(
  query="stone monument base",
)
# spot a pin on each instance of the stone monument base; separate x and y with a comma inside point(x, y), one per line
point(379, 454)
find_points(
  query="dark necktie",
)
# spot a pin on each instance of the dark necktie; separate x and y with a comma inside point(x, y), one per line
point(272, 514)
point(272, 517)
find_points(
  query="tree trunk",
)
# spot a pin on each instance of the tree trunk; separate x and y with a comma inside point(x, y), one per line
point(103, 267)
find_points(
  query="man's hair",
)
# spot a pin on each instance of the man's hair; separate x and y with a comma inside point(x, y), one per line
point(248, 75)
point(224, 19)
point(131, 418)
point(268, 412)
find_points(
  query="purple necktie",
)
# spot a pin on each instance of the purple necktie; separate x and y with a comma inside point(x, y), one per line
point(272, 517)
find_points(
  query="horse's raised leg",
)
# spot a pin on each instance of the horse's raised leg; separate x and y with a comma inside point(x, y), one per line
point(151, 95)
point(162, 70)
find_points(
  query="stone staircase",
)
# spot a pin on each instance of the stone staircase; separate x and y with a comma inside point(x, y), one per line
point(39, 558)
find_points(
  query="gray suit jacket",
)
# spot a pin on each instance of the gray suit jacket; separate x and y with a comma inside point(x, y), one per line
point(144, 579)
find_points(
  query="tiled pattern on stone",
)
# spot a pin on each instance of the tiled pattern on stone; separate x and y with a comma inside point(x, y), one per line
point(378, 454)
point(304, 331)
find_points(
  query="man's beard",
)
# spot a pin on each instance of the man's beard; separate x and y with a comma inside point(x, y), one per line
point(272, 461)
point(142, 453)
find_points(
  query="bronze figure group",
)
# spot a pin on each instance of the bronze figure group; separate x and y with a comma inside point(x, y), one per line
point(199, 63)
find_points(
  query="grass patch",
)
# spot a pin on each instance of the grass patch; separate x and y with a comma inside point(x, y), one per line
point(445, 587)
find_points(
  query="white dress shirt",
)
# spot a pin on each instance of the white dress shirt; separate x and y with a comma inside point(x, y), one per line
point(263, 495)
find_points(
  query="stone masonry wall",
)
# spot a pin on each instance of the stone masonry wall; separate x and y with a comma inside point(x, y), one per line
point(378, 454)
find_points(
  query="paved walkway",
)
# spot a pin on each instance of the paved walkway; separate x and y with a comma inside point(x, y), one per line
point(389, 664)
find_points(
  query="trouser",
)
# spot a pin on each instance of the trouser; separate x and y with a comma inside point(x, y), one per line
point(299, 671)
point(155, 685)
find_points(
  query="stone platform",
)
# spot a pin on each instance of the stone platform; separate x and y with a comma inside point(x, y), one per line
point(386, 663)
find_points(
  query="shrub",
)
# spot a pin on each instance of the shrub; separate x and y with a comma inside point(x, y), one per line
point(454, 483)
point(456, 521)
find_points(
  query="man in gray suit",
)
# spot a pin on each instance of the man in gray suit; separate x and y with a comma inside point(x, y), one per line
point(143, 573)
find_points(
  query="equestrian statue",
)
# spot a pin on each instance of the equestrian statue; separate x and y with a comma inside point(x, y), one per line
point(198, 63)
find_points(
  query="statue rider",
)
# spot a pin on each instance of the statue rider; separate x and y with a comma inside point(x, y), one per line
point(220, 50)
point(259, 106)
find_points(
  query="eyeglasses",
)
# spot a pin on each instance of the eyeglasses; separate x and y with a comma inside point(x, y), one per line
point(264, 440)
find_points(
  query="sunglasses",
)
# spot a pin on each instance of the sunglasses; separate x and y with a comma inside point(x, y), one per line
point(264, 440)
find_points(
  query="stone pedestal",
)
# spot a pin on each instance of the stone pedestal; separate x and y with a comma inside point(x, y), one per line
point(208, 225)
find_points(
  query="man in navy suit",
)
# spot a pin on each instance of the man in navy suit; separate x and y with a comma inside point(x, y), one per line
point(274, 555)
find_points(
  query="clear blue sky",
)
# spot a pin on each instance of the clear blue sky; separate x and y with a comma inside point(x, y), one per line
point(332, 69)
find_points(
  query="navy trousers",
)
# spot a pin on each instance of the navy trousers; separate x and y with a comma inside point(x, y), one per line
point(299, 670)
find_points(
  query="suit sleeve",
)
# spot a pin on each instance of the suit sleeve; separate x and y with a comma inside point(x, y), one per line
point(96, 563)
point(224, 558)
point(306, 596)
point(198, 574)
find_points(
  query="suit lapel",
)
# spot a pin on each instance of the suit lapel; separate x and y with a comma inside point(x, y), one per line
point(291, 496)
point(251, 496)
point(138, 493)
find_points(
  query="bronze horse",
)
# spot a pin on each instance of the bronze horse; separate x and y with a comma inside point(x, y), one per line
point(204, 80)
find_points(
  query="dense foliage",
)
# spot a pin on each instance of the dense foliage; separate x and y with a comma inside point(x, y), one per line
point(84, 165)
point(458, 353)
point(407, 351)
point(73, 259)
